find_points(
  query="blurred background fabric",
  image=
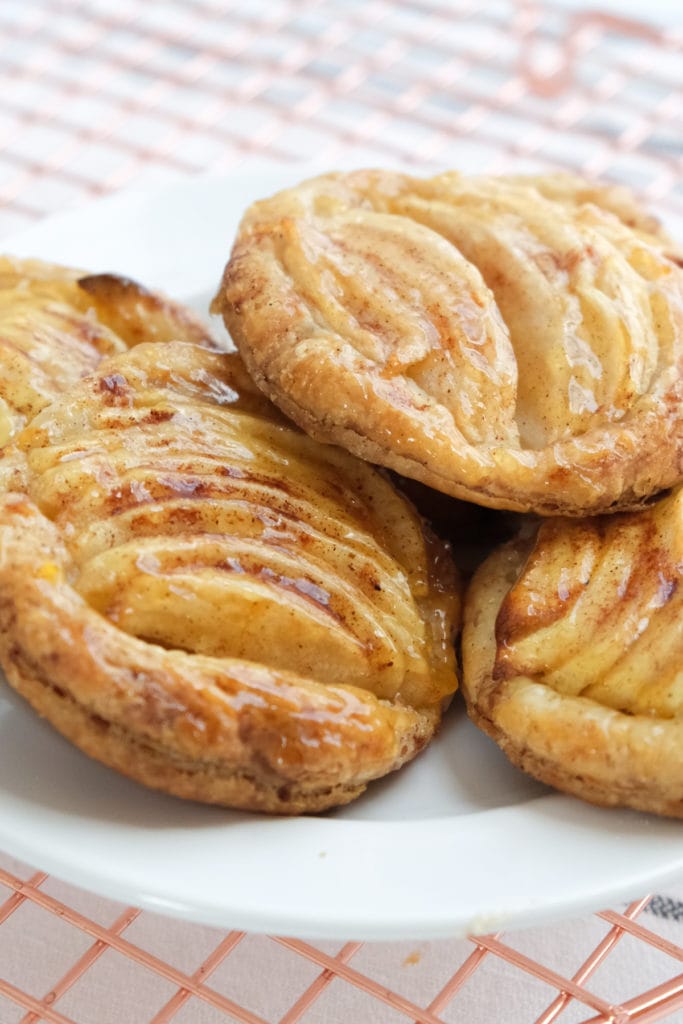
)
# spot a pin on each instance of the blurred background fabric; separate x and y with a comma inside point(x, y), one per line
point(97, 97)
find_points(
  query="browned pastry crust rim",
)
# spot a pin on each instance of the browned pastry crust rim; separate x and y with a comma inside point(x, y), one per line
point(603, 481)
point(159, 768)
point(216, 730)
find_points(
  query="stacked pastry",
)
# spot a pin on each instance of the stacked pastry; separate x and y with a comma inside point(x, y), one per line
point(206, 584)
point(518, 343)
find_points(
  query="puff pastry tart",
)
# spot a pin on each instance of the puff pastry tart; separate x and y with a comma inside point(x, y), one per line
point(572, 650)
point(515, 342)
point(201, 596)
point(57, 324)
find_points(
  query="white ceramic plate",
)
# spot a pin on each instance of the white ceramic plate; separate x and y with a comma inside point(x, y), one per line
point(458, 841)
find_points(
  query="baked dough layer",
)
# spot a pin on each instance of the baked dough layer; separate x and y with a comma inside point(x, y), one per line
point(515, 342)
point(572, 647)
point(201, 596)
point(57, 324)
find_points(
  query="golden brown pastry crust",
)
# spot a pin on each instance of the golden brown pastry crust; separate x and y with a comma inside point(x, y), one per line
point(56, 324)
point(513, 342)
point(204, 598)
point(572, 647)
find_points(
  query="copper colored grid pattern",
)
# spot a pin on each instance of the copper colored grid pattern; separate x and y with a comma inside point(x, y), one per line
point(97, 96)
point(658, 1003)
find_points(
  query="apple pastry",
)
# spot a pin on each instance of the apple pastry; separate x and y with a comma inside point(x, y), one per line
point(199, 595)
point(515, 342)
point(56, 324)
point(572, 648)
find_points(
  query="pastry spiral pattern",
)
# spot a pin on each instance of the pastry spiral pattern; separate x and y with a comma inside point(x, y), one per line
point(201, 596)
point(56, 324)
point(515, 342)
point(572, 648)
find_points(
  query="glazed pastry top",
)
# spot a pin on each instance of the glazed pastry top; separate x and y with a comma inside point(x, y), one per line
point(56, 324)
point(196, 518)
point(596, 611)
point(511, 341)
point(572, 648)
point(198, 594)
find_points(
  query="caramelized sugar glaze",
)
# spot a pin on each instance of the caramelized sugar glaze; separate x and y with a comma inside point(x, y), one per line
point(56, 324)
point(572, 651)
point(201, 596)
point(512, 341)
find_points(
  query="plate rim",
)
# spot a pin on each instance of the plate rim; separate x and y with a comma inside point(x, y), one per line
point(446, 913)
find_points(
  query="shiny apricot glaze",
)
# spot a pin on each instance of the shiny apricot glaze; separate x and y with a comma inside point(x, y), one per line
point(199, 595)
point(572, 648)
point(516, 342)
point(56, 324)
